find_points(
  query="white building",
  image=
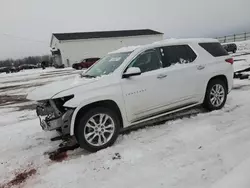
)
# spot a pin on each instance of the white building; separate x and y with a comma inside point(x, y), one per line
point(69, 48)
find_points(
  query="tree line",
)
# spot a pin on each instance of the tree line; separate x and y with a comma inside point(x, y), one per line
point(34, 60)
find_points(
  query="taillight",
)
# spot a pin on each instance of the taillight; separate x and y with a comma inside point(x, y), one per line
point(230, 60)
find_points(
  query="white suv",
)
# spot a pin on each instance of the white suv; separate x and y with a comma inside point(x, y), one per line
point(135, 85)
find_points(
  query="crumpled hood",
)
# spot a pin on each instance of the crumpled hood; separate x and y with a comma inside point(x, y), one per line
point(48, 91)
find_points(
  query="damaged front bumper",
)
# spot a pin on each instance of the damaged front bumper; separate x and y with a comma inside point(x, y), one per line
point(53, 116)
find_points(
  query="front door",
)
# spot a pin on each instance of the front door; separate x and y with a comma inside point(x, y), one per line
point(142, 93)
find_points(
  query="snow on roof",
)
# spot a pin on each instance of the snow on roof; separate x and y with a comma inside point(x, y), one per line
point(105, 34)
point(165, 42)
point(187, 40)
point(125, 49)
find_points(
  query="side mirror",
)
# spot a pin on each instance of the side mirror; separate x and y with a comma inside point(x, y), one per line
point(132, 71)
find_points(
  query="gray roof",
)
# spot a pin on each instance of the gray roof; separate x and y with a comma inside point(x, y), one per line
point(104, 34)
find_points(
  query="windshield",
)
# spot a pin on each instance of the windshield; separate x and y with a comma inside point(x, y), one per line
point(107, 65)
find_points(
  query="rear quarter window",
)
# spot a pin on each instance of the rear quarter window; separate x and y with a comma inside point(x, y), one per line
point(214, 48)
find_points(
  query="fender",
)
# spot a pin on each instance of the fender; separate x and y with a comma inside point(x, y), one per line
point(72, 103)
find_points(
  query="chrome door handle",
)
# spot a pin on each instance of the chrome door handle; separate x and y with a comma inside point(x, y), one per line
point(161, 76)
point(200, 67)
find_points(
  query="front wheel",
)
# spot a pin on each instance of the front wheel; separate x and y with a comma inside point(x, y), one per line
point(216, 95)
point(97, 129)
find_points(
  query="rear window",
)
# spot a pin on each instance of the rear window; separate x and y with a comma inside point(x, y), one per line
point(176, 54)
point(214, 48)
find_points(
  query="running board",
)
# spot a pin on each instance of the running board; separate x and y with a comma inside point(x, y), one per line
point(163, 114)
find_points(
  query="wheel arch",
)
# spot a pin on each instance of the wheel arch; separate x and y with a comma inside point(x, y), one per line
point(83, 108)
point(206, 101)
point(221, 77)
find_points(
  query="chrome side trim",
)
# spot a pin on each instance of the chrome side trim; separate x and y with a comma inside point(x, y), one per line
point(163, 114)
point(160, 106)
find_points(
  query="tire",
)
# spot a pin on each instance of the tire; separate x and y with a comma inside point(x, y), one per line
point(211, 102)
point(89, 123)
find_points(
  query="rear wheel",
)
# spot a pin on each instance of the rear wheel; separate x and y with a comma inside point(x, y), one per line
point(216, 95)
point(97, 129)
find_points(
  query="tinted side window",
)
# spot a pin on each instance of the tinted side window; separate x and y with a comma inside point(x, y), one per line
point(147, 61)
point(214, 48)
point(177, 54)
point(93, 59)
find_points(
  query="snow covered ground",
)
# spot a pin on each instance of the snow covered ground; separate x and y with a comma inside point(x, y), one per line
point(19, 82)
point(207, 150)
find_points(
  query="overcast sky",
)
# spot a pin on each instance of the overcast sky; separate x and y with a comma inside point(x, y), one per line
point(26, 25)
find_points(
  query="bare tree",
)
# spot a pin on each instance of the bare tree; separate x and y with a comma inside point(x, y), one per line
point(34, 60)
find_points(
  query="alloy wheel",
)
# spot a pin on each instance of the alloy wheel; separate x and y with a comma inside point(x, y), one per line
point(217, 95)
point(99, 129)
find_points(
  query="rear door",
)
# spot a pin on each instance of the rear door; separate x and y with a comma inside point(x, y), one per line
point(180, 66)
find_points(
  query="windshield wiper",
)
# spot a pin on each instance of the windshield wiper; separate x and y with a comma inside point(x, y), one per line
point(87, 76)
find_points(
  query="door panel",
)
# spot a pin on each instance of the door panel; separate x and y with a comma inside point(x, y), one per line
point(160, 90)
point(140, 91)
point(142, 94)
point(177, 84)
point(180, 86)
point(181, 66)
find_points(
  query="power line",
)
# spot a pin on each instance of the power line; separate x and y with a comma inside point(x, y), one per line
point(24, 38)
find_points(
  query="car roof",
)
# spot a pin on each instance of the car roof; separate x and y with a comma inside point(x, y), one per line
point(166, 42)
